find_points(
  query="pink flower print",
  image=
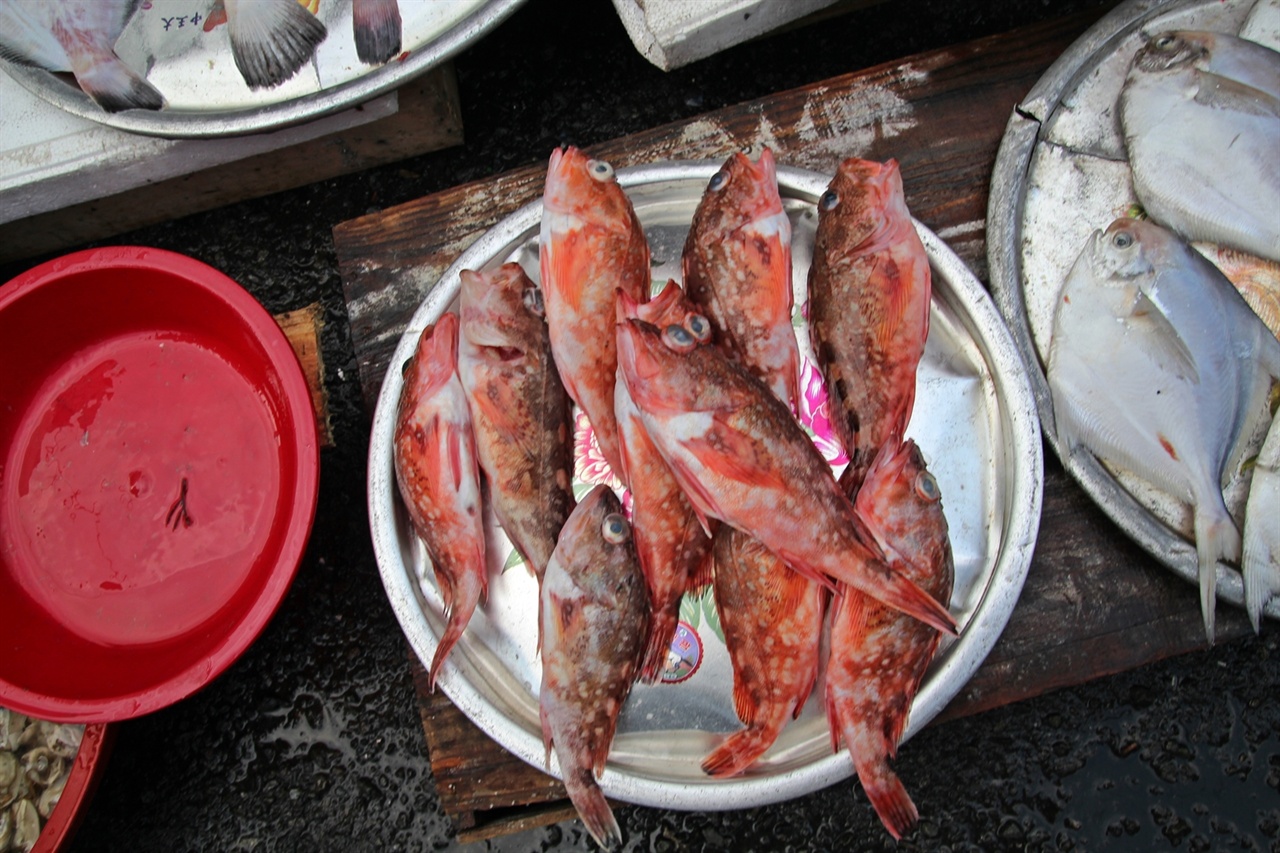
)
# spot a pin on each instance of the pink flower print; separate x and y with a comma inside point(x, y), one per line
point(815, 414)
point(590, 466)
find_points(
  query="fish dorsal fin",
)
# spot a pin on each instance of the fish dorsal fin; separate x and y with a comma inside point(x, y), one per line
point(1223, 93)
point(1166, 346)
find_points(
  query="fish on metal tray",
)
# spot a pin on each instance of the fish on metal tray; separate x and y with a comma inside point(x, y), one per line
point(1201, 118)
point(591, 246)
point(742, 458)
point(737, 266)
point(78, 36)
point(593, 612)
point(270, 39)
point(520, 412)
point(674, 550)
point(772, 621)
point(377, 29)
point(878, 656)
point(1155, 365)
point(869, 292)
point(1260, 560)
point(438, 476)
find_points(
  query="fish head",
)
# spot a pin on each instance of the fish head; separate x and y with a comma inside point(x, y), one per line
point(435, 359)
point(900, 502)
point(1123, 251)
point(1172, 50)
point(596, 548)
point(653, 362)
point(501, 310)
point(742, 193)
point(863, 198)
point(582, 189)
point(672, 307)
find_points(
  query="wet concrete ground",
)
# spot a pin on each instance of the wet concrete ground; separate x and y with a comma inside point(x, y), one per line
point(311, 742)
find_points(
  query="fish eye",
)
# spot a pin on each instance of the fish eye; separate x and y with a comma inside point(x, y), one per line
point(718, 181)
point(699, 327)
point(1165, 41)
point(532, 299)
point(404, 368)
point(600, 170)
point(615, 528)
point(927, 487)
point(829, 200)
point(1122, 240)
point(678, 338)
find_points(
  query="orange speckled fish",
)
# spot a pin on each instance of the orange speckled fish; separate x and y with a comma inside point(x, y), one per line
point(869, 291)
point(439, 477)
point(878, 656)
point(593, 609)
point(592, 246)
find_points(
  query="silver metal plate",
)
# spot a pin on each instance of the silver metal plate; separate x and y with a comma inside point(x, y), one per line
point(974, 420)
point(1061, 173)
point(207, 97)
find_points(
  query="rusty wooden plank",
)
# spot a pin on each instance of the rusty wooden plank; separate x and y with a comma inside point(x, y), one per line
point(302, 328)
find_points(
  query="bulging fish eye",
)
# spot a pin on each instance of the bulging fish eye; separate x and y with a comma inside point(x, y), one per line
point(718, 181)
point(615, 528)
point(1165, 41)
point(404, 368)
point(927, 487)
point(532, 299)
point(699, 327)
point(829, 200)
point(679, 339)
point(600, 170)
point(1122, 240)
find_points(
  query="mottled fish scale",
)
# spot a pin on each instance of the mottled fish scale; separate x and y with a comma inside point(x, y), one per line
point(737, 266)
point(591, 246)
point(521, 412)
point(439, 477)
point(878, 656)
point(742, 458)
point(869, 294)
point(594, 608)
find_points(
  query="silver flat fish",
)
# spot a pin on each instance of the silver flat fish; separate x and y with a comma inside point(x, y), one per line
point(1201, 119)
point(1260, 562)
point(1155, 364)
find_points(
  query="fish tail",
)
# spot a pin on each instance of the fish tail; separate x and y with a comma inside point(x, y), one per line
point(272, 39)
point(739, 751)
point(1216, 538)
point(115, 86)
point(466, 594)
point(376, 26)
point(888, 797)
point(593, 808)
point(662, 628)
point(1261, 574)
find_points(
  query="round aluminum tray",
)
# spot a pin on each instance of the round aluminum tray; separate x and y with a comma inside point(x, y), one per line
point(207, 97)
point(1062, 172)
point(974, 420)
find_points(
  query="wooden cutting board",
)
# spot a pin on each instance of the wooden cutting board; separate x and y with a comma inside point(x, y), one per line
point(1110, 606)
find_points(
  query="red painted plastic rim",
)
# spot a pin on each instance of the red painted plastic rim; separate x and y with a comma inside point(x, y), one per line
point(90, 762)
point(258, 347)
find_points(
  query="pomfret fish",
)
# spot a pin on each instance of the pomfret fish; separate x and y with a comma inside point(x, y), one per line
point(772, 621)
point(520, 410)
point(741, 457)
point(869, 292)
point(439, 477)
point(878, 656)
point(591, 246)
point(1260, 561)
point(674, 551)
point(270, 39)
point(1155, 364)
point(737, 266)
point(78, 36)
point(377, 28)
point(1201, 119)
point(593, 610)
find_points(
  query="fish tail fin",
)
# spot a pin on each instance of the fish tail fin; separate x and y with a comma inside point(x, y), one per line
point(1216, 538)
point(113, 85)
point(662, 629)
point(1261, 572)
point(739, 751)
point(888, 797)
point(466, 593)
point(376, 26)
point(272, 39)
point(593, 808)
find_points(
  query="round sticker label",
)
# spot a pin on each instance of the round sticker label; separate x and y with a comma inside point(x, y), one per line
point(685, 655)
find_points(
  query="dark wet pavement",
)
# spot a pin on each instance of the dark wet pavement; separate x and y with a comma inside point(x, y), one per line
point(312, 741)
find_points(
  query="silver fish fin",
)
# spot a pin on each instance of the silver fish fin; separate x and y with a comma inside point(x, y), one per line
point(1223, 93)
point(1166, 345)
point(1260, 569)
